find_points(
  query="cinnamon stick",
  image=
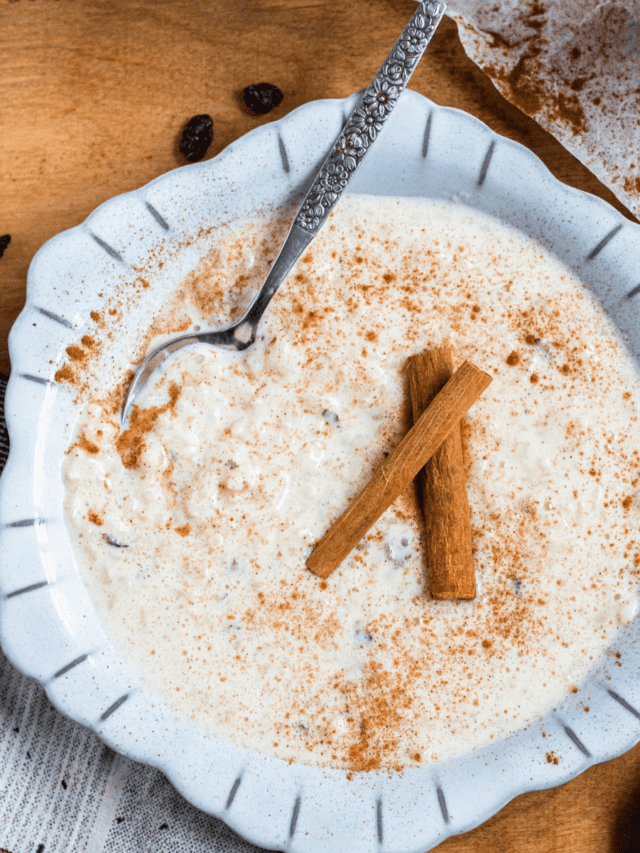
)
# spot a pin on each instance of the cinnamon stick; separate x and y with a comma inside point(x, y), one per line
point(443, 488)
point(397, 471)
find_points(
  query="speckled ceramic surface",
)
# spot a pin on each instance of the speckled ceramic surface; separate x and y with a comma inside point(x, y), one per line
point(48, 626)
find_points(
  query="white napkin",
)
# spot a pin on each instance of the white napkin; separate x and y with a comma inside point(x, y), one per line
point(63, 791)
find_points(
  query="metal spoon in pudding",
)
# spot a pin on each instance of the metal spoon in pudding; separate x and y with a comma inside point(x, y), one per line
point(355, 139)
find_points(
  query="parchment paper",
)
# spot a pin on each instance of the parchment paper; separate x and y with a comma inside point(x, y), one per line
point(573, 66)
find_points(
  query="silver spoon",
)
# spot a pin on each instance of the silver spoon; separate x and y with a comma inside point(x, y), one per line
point(347, 153)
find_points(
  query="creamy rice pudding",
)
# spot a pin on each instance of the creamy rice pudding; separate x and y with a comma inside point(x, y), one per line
point(192, 526)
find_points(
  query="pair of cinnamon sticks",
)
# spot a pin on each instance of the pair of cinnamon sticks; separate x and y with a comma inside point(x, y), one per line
point(433, 447)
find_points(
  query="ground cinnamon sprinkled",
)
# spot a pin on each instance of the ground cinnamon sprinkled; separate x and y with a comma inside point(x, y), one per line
point(84, 444)
point(527, 83)
point(552, 758)
point(373, 722)
point(65, 374)
point(130, 443)
point(512, 359)
point(76, 353)
point(376, 703)
point(631, 184)
point(185, 530)
point(94, 518)
point(114, 401)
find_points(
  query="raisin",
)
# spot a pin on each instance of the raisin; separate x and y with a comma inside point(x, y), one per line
point(331, 418)
point(196, 138)
point(111, 540)
point(4, 242)
point(261, 98)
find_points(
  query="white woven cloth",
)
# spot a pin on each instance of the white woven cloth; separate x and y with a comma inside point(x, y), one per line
point(63, 791)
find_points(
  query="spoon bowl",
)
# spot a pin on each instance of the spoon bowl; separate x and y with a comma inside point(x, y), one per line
point(347, 153)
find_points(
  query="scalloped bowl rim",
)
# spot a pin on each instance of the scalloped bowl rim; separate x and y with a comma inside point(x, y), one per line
point(373, 811)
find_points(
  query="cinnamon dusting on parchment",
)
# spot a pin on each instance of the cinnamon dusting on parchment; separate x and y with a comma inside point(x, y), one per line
point(526, 83)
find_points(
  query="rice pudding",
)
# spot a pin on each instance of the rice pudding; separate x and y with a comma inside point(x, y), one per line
point(191, 527)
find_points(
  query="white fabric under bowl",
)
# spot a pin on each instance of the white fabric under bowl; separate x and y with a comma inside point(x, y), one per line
point(48, 626)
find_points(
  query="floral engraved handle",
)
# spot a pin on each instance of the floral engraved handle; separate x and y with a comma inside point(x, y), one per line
point(366, 121)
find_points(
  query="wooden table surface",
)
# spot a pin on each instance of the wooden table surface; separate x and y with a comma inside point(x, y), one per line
point(93, 97)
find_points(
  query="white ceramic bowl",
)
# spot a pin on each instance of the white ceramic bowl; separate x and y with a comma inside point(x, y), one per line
point(48, 626)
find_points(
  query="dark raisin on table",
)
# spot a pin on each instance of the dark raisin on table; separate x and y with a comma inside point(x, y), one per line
point(196, 138)
point(261, 98)
point(4, 242)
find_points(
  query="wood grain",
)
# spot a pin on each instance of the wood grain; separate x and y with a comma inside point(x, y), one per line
point(93, 97)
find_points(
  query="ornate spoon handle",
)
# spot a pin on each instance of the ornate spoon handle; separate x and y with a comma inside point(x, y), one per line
point(368, 118)
point(349, 150)
point(347, 153)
